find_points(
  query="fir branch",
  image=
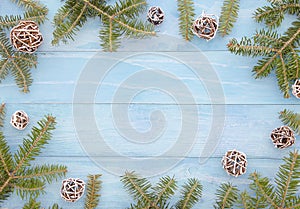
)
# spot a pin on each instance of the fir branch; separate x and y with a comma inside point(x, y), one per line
point(186, 17)
point(29, 188)
point(226, 196)
point(28, 181)
point(47, 173)
point(263, 188)
point(159, 197)
point(273, 15)
point(288, 179)
point(18, 63)
point(291, 119)
point(279, 54)
point(282, 195)
point(118, 20)
point(138, 187)
point(33, 204)
point(228, 16)
point(93, 188)
point(190, 194)
point(165, 188)
point(2, 114)
point(32, 146)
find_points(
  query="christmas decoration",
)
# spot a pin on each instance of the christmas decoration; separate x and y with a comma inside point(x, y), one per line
point(19, 120)
point(283, 137)
point(228, 16)
point(155, 15)
point(205, 26)
point(26, 36)
point(291, 119)
point(117, 21)
point(17, 172)
point(72, 189)
point(234, 163)
point(279, 52)
point(11, 61)
point(186, 11)
point(262, 193)
point(296, 89)
point(148, 196)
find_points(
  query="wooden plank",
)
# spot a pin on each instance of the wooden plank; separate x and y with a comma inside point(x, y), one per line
point(246, 128)
point(59, 73)
point(114, 196)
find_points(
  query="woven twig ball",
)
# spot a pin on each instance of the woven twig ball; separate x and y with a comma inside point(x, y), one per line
point(155, 15)
point(296, 89)
point(26, 36)
point(72, 189)
point(234, 163)
point(19, 120)
point(283, 137)
point(205, 26)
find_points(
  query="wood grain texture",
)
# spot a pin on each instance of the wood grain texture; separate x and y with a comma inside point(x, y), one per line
point(250, 106)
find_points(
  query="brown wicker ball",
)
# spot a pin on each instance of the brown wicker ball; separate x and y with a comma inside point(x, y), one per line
point(19, 120)
point(72, 189)
point(283, 137)
point(155, 15)
point(205, 26)
point(296, 89)
point(234, 162)
point(26, 36)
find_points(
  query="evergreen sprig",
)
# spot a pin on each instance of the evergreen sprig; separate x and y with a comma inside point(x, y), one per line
point(33, 204)
point(273, 15)
point(117, 20)
point(186, 11)
point(18, 63)
point(265, 194)
point(291, 119)
point(226, 196)
point(280, 53)
point(93, 188)
point(17, 173)
point(34, 11)
point(158, 197)
point(229, 14)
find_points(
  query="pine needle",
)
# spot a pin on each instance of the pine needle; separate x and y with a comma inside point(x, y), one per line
point(279, 53)
point(117, 20)
point(226, 196)
point(2, 114)
point(228, 16)
point(273, 15)
point(291, 119)
point(93, 188)
point(16, 171)
point(186, 17)
point(190, 194)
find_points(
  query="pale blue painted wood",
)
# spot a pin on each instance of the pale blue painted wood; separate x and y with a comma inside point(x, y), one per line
point(251, 106)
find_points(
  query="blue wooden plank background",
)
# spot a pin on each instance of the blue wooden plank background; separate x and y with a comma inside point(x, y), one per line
point(250, 107)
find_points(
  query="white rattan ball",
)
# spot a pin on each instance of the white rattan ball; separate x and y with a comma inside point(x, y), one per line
point(19, 120)
point(72, 189)
point(234, 162)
